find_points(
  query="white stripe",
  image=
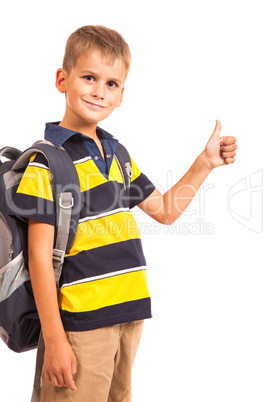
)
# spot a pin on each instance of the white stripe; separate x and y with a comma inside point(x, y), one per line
point(114, 211)
point(40, 165)
point(95, 278)
point(87, 158)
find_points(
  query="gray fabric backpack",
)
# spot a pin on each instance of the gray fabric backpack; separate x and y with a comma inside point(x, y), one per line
point(19, 321)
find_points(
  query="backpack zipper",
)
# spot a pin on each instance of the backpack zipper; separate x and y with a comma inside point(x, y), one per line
point(10, 253)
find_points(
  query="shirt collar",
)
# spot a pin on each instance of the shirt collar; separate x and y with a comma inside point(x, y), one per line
point(59, 135)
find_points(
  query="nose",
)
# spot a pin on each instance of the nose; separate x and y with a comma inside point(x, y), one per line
point(98, 90)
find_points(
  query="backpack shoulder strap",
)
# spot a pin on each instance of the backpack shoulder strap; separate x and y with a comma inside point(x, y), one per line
point(66, 193)
point(123, 158)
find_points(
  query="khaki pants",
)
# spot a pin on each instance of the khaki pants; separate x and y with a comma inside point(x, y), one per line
point(104, 361)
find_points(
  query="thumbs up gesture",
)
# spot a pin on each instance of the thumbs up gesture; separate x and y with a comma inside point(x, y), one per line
point(219, 151)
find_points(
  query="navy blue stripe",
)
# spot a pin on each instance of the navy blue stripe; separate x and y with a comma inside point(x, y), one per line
point(28, 206)
point(106, 197)
point(103, 260)
point(111, 315)
point(140, 189)
point(40, 158)
point(76, 148)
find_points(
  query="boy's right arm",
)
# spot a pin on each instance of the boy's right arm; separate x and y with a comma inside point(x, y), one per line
point(59, 359)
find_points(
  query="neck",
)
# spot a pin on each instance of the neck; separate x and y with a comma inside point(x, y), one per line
point(87, 129)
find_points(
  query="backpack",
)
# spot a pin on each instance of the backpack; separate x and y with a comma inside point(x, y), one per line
point(19, 321)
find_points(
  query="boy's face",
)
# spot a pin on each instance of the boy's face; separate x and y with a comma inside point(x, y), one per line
point(93, 89)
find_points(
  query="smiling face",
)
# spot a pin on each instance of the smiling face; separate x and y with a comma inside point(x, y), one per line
point(93, 89)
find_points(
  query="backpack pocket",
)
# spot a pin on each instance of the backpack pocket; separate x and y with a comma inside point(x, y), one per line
point(5, 242)
point(19, 321)
point(12, 276)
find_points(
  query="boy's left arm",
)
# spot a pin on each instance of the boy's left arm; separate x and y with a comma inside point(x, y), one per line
point(167, 208)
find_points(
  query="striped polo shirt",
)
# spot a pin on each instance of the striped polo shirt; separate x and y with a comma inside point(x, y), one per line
point(103, 279)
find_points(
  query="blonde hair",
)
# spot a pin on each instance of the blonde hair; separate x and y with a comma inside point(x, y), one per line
point(97, 38)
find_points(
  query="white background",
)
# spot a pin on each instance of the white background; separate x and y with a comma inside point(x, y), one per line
point(193, 62)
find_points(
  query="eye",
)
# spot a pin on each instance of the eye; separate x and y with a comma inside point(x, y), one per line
point(112, 84)
point(89, 78)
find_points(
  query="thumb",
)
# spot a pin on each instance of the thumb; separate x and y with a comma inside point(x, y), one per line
point(217, 130)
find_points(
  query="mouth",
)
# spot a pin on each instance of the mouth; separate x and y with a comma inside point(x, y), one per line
point(94, 106)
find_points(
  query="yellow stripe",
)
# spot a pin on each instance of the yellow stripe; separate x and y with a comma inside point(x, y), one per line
point(135, 170)
point(104, 292)
point(115, 173)
point(89, 175)
point(36, 182)
point(103, 231)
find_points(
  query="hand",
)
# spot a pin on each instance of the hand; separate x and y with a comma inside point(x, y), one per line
point(219, 151)
point(60, 364)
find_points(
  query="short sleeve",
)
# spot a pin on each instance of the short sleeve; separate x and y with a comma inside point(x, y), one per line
point(34, 199)
point(141, 187)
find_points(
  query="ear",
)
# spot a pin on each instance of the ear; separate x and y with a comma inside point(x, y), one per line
point(121, 98)
point(61, 80)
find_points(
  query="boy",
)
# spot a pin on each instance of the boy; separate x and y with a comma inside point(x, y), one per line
point(92, 329)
